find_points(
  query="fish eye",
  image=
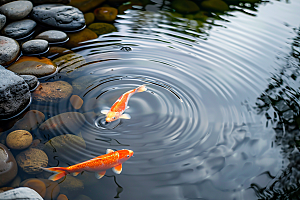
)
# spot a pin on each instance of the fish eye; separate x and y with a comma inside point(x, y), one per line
point(128, 156)
point(114, 117)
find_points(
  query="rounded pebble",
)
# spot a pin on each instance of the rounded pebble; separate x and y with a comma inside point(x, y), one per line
point(19, 139)
point(89, 18)
point(102, 28)
point(36, 46)
point(32, 81)
point(62, 197)
point(31, 160)
point(8, 166)
point(107, 14)
point(76, 101)
point(19, 29)
point(52, 189)
point(31, 120)
point(35, 184)
point(53, 36)
point(16, 10)
point(9, 50)
point(2, 21)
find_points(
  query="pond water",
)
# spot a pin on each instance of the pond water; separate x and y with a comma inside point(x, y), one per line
point(219, 118)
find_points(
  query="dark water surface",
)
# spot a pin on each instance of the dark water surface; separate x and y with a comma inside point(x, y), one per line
point(206, 128)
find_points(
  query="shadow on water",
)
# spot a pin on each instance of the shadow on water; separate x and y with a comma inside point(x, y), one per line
point(280, 103)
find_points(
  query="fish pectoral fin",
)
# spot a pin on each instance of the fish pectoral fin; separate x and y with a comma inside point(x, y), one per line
point(125, 116)
point(104, 111)
point(100, 174)
point(117, 169)
point(76, 173)
point(127, 107)
point(109, 151)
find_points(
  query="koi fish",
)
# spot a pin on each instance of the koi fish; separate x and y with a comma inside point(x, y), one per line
point(99, 165)
point(117, 109)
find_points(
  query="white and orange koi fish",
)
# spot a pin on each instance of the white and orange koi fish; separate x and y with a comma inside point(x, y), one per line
point(118, 108)
point(112, 159)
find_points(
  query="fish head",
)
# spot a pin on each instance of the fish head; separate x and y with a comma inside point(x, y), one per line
point(124, 155)
point(112, 116)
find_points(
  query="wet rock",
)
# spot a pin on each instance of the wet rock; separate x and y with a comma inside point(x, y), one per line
point(52, 92)
point(81, 36)
point(19, 29)
point(31, 81)
point(19, 139)
point(52, 189)
point(71, 187)
point(31, 160)
point(215, 5)
point(16, 10)
point(21, 193)
point(185, 6)
point(31, 120)
point(63, 123)
point(85, 5)
point(9, 50)
point(102, 28)
point(89, 18)
point(82, 197)
point(37, 46)
point(76, 101)
point(63, 147)
point(62, 197)
point(53, 36)
point(37, 185)
point(2, 21)
point(70, 62)
point(59, 16)
point(28, 65)
point(8, 166)
point(16, 182)
point(57, 51)
point(14, 94)
point(107, 14)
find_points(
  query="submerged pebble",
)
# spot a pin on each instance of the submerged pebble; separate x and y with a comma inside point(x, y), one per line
point(8, 166)
point(35, 184)
point(76, 101)
point(31, 120)
point(19, 139)
point(81, 36)
point(107, 14)
point(71, 187)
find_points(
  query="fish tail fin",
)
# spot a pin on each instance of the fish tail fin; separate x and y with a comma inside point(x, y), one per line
point(59, 172)
point(142, 88)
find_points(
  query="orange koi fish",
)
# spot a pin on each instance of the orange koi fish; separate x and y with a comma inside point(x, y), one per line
point(116, 111)
point(99, 165)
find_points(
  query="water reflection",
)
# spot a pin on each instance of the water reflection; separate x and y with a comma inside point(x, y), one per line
point(280, 104)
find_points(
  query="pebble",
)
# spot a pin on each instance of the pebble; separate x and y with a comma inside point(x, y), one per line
point(16, 10)
point(31, 120)
point(35, 184)
point(59, 16)
point(71, 187)
point(216, 5)
point(102, 28)
point(81, 36)
point(85, 5)
point(89, 18)
point(70, 62)
point(185, 6)
point(19, 139)
point(36, 46)
point(52, 92)
point(107, 14)
point(2, 21)
point(63, 147)
point(53, 36)
point(62, 197)
point(32, 81)
point(19, 29)
point(16, 182)
point(69, 121)
point(31, 160)
point(9, 50)
point(76, 101)
point(57, 51)
point(20, 193)
point(19, 98)
point(52, 189)
point(28, 65)
point(8, 166)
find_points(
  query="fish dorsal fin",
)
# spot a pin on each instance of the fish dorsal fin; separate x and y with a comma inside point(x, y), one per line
point(125, 116)
point(117, 169)
point(76, 173)
point(100, 174)
point(109, 151)
point(104, 111)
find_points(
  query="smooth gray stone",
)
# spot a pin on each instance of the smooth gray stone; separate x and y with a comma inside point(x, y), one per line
point(35, 46)
point(32, 81)
point(53, 36)
point(21, 193)
point(9, 50)
point(19, 29)
point(16, 10)
point(14, 94)
point(2, 21)
point(59, 16)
